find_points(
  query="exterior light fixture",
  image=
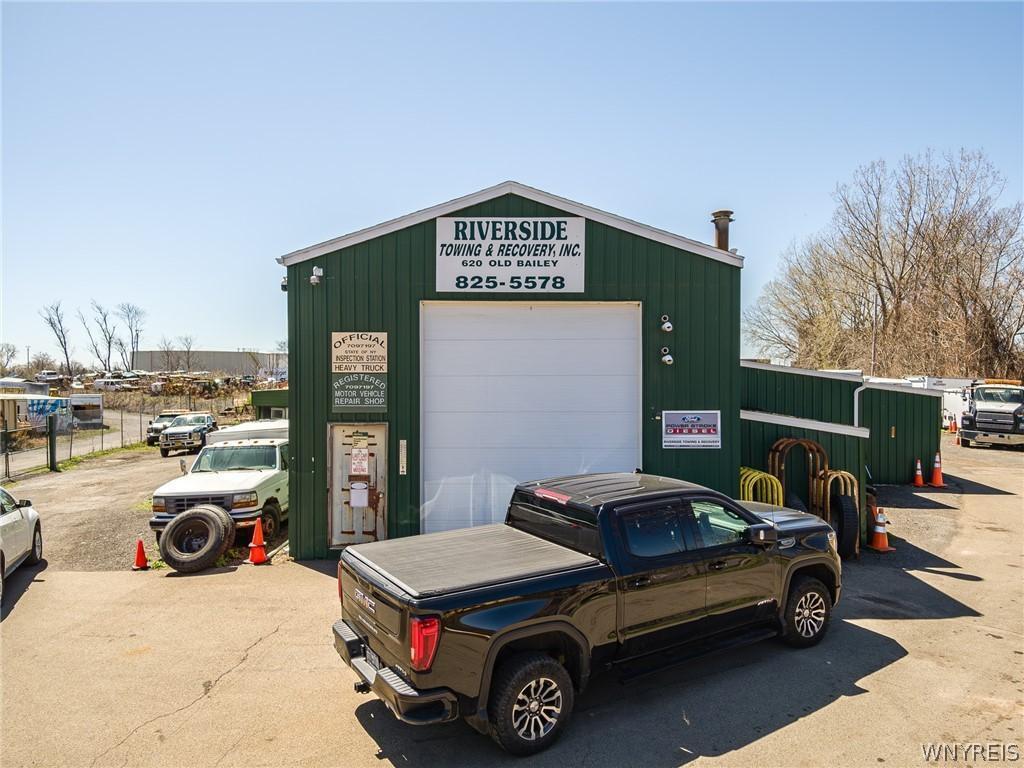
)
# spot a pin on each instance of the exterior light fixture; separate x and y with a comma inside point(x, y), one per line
point(314, 279)
point(666, 356)
point(666, 324)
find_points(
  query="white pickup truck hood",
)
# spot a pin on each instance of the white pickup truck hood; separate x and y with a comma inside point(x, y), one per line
point(980, 405)
point(210, 483)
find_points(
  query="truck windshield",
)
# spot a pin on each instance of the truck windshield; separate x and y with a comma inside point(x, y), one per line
point(186, 421)
point(219, 459)
point(1006, 395)
point(555, 522)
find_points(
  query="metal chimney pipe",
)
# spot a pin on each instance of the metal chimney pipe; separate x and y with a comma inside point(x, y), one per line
point(721, 221)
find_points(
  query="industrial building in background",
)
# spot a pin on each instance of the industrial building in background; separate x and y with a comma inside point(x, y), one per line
point(238, 362)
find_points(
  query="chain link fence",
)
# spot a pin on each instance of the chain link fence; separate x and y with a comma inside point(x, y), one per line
point(123, 424)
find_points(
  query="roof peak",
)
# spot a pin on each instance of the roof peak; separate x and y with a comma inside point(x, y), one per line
point(530, 193)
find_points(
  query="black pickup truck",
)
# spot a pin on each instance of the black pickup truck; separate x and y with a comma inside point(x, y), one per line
point(504, 624)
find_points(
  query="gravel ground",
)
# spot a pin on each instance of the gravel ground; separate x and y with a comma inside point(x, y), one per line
point(93, 513)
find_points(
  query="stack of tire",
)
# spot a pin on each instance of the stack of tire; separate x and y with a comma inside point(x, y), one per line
point(195, 539)
point(845, 520)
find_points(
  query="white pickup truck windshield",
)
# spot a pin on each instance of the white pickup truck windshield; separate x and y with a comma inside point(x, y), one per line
point(221, 458)
point(1007, 395)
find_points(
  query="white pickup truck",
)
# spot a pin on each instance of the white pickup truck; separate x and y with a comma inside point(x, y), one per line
point(245, 472)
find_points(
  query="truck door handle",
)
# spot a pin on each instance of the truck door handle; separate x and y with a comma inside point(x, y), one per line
point(717, 565)
point(640, 581)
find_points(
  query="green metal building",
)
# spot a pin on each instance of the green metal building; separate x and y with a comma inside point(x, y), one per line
point(441, 357)
point(270, 403)
point(875, 431)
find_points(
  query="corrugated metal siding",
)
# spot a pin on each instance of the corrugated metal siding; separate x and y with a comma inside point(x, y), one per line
point(796, 394)
point(378, 286)
point(917, 420)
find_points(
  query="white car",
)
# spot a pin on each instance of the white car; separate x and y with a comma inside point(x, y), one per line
point(21, 538)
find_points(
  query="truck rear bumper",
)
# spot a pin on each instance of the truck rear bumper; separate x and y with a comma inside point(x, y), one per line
point(427, 707)
point(992, 438)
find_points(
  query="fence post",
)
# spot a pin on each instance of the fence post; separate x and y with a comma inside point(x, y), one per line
point(122, 427)
point(51, 442)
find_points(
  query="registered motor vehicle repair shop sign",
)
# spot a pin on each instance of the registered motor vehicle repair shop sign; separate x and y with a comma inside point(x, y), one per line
point(691, 429)
point(359, 371)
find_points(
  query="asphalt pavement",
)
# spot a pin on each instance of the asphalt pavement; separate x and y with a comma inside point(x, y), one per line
point(235, 667)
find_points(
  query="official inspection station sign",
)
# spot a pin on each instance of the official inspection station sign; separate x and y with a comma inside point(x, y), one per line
point(691, 429)
point(359, 371)
point(511, 254)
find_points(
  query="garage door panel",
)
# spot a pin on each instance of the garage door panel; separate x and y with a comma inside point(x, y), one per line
point(529, 430)
point(532, 321)
point(525, 464)
point(514, 392)
point(539, 357)
point(490, 394)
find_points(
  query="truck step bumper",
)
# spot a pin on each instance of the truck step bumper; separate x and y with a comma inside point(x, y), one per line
point(416, 707)
point(992, 438)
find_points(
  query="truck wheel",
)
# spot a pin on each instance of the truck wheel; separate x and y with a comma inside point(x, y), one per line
point(227, 521)
point(193, 540)
point(808, 610)
point(846, 521)
point(271, 521)
point(164, 452)
point(531, 703)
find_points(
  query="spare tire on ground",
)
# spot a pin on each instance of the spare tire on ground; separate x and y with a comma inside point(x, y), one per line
point(193, 540)
point(228, 521)
point(846, 521)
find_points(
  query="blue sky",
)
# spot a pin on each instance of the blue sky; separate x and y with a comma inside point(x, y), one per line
point(166, 154)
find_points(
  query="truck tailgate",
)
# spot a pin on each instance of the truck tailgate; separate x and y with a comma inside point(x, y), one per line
point(437, 563)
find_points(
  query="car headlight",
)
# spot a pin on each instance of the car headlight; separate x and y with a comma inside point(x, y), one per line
point(244, 500)
point(832, 540)
point(158, 504)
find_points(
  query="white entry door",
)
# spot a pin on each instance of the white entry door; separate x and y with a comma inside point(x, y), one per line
point(360, 516)
point(516, 391)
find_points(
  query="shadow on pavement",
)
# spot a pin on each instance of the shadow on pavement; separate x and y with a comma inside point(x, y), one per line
point(326, 567)
point(18, 583)
point(963, 485)
point(684, 713)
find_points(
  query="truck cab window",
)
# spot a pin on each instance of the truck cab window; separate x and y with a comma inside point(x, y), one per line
point(654, 532)
point(718, 525)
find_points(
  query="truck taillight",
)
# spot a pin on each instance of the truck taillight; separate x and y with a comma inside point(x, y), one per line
point(423, 637)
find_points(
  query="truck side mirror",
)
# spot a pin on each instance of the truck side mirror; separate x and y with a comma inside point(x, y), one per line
point(763, 534)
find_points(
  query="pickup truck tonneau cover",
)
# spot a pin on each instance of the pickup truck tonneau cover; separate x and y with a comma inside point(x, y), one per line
point(452, 561)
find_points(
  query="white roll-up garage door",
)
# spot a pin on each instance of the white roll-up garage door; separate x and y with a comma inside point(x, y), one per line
point(513, 391)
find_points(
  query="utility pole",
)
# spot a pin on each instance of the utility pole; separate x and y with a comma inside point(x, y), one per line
point(28, 355)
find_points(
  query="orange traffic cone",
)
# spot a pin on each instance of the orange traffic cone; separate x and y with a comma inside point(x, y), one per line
point(879, 538)
point(952, 426)
point(257, 550)
point(918, 476)
point(141, 563)
point(936, 481)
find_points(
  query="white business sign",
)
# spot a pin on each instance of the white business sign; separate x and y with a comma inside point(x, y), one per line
point(691, 429)
point(511, 254)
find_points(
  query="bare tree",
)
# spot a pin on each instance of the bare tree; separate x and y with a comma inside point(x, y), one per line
point(53, 316)
point(920, 271)
point(134, 318)
point(101, 342)
point(41, 361)
point(7, 354)
point(168, 354)
point(187, 342)
point(123, 352)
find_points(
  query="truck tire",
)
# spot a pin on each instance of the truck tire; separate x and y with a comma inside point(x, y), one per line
point(531, 703)
point(846, 521)
point(164, 452)
point(193, 540)
point(808, 611)
point(271, 521)
point(228, 522)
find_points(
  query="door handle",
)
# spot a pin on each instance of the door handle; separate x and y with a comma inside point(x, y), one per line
point(640, 581)
point(717, 565)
